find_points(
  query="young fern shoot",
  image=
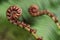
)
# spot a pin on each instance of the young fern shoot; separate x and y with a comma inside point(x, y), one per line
point(13, 13)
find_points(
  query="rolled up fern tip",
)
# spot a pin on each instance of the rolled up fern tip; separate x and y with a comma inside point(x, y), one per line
point(14, 12)
point(29, 20)
point(33, 10)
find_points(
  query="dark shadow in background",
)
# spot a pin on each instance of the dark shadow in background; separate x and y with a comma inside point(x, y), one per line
point(54, 4)
point(3, 34)
point(1, 1)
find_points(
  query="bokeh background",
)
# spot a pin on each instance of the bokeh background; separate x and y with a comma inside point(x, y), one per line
point(45, 26)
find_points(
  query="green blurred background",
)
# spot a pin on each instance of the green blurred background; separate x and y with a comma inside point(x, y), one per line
point(45, 26)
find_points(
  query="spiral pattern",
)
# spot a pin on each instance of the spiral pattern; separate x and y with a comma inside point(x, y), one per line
point(43, 12)
point(34, 10)
point(13, 13)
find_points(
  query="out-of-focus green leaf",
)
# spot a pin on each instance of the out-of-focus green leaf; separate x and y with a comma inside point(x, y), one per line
point(43, 24)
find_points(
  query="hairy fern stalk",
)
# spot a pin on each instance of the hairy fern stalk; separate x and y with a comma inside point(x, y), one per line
point(44, 25)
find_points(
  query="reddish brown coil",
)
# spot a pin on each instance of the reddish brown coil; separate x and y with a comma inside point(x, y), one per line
point(13, 13)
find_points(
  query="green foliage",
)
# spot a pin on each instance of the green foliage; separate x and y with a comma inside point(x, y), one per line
point(43, 24)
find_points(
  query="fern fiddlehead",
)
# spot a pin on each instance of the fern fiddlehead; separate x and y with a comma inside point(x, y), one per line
point(34, 11)
point(13, 13)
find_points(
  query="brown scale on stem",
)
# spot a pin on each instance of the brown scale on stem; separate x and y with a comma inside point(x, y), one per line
point(54, 18)
point(13, 13)
point(39, 38)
